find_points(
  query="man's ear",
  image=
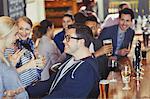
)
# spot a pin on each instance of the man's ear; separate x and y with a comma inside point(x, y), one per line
point(81, 42)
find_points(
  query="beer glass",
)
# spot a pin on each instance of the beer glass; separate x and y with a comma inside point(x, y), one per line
point(108, 42)
point(104, 87)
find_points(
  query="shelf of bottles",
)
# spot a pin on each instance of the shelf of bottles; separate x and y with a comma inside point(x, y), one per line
point(55, 9)
point(113, 6)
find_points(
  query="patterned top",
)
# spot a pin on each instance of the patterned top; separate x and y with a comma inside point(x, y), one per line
point(31, 75)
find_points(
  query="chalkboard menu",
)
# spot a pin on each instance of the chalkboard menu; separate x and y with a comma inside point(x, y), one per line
point(1, 8)
point(16, 8)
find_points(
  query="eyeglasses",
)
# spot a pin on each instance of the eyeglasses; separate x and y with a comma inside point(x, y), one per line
point(67, 37)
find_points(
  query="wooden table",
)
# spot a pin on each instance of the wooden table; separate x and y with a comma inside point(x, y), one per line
point(141, 92)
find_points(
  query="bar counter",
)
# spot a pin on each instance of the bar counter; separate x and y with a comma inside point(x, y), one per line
point(137, 91)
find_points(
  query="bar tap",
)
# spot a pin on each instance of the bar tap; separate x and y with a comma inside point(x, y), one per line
point(137, 64)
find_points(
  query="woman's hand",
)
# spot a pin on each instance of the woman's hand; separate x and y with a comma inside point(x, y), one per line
point(33, 63)
point(10, 94)
point(14, 58)
point(36, 63)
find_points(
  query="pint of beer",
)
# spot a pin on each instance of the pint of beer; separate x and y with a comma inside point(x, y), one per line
point(104, 87)
point(108, 42)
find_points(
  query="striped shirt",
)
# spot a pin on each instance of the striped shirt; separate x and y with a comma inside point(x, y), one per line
point(27, 76)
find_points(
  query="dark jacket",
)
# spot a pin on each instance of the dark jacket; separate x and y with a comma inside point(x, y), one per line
point(112, 33)
point(58, 39)
point(102, 60)
point(79, 81)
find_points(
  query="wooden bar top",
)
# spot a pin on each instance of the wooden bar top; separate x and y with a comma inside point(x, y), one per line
point(136, 92)
point(116, 92)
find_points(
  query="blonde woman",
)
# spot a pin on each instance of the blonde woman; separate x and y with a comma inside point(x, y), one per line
point(27, 66)
point(10, 85)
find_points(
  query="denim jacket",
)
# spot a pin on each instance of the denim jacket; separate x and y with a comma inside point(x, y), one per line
point(9, 80)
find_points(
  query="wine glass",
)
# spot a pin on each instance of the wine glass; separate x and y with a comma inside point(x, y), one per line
point(126, 73)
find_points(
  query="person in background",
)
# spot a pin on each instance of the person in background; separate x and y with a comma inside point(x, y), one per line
point(121, 34)
point(68, 19)
point(36, 35)
point(24, 41)
point(10, 84)
point(113, 19)
point(93, 24)
point(48, 48)
point(80, 17)
point(98, 49)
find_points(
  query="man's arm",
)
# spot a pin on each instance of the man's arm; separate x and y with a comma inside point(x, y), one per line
point(39, 89)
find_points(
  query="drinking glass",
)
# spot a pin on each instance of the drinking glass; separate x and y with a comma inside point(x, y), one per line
point(108, 42)
point(125, 73)
point(104, 89)
point(112, 64)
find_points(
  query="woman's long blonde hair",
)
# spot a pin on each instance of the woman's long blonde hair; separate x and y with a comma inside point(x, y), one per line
point(6, 25)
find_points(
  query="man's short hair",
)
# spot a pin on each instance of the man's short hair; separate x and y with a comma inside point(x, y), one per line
point(127, 11)
point(83, 32)
point(80, 18)
point(92, 18)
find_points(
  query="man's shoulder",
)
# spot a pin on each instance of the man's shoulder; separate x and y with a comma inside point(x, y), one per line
point(92, 62)
point(90, 59)
point(110, 29)
point(131, 31)
point(89, 62)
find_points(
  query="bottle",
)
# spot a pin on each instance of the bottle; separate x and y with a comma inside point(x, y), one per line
point(138, 54)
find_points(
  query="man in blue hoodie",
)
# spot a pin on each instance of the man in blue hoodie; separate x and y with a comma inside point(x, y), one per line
point(78, 77)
